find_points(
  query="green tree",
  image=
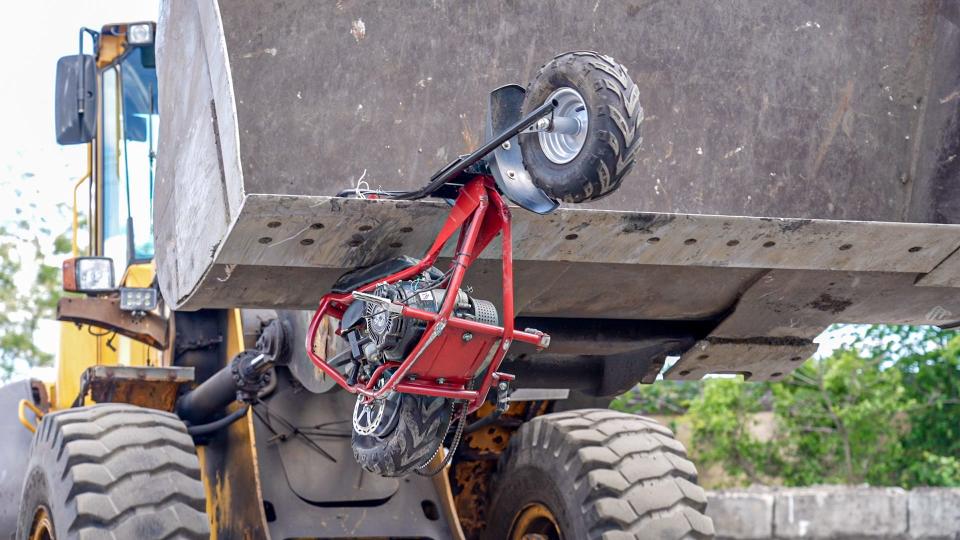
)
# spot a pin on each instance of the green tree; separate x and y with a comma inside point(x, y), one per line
point(883, 410)
point(928, 361)
point(721, 419)
point(29, 289)
point(840, 420)
point(663, 397)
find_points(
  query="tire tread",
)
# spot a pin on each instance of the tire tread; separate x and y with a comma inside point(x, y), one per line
point(121, 471)
point(631, 476)
point(620, 116)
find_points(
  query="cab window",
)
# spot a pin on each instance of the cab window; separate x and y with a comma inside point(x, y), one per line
point(130, 124)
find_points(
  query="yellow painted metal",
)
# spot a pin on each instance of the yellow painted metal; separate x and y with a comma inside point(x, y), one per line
point(231, 477)
point(234, 334)
point(535, 522)
point(85, 346)
point(76, 219)
point(111, 48)
point(42, 527)
point(133, 353)
point(22, 414)
point(80, 347)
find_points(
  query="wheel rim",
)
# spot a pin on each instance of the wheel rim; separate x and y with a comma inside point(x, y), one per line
point(377, 416)
point(42, 528)
point(562, 146)
point(367, 415)
point(535, 522)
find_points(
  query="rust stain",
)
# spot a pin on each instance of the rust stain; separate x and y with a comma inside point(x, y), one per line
point(472, 477)
point(832, 126)
point(830, 304)
point(470, 140)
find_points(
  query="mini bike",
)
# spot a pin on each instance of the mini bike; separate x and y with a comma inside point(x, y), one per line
point(420, 352)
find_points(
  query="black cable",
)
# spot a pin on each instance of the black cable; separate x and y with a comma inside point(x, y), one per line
point(456, 167)
point(216, 425)
point(292, 429)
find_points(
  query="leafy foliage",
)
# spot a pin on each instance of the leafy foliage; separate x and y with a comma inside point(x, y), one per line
point(29, 290)
point(883, 410)
point(722, 419)
point(840, 421)
point(664, 397)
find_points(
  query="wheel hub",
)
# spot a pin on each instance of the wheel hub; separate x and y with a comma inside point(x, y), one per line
point(535, 522)
point(566, 138)
point(42, 528)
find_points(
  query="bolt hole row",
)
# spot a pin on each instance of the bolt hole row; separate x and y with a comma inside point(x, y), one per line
point(571, 236)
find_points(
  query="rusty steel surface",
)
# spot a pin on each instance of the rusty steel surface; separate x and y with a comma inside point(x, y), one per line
point(153, 387)
point(472, 473)
point(823, 113)
point(105, 312)
point(817, 110)
point(759, 278)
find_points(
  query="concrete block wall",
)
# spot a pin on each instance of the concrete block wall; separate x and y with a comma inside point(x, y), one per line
point(836, 512)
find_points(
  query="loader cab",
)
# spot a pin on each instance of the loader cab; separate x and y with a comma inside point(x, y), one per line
point(107, 100)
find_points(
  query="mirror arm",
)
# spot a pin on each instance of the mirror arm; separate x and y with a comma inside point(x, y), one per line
point(82, 88)
point(76, 186)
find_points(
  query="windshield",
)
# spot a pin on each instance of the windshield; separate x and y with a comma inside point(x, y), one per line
point(130, 124)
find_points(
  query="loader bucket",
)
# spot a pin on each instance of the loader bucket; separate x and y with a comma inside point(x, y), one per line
point(842, 119)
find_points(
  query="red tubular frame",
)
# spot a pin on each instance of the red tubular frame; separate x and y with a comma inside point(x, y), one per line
point(479, 213)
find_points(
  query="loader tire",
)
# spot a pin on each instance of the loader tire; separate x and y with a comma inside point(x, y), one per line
point(614, 114)
point(112, 471)
point(596, 473)
point(409, 442)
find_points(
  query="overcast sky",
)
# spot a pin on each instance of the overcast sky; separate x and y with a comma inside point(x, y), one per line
point(36, 33)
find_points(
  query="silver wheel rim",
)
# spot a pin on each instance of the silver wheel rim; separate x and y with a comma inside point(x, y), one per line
point(560, 147)
point(367, 416)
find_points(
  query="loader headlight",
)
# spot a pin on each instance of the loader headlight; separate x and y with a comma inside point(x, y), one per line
point(137, 299)
point(89, 275)
point(140, 34)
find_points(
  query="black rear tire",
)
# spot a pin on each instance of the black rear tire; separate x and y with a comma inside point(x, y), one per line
point(410, 442)
point(114, 471)
point(601, 474)
point(613, 136)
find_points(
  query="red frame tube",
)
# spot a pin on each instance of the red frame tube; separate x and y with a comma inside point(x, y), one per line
point(479, 213)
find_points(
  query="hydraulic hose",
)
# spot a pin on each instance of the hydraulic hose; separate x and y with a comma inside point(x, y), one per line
point(205, 429)
point(211, 397)
point(240, 380)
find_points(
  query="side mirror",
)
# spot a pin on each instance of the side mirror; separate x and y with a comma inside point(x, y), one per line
point(88, 275)
point(76, 99)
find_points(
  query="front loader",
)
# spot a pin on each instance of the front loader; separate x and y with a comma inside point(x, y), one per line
point(314, 335)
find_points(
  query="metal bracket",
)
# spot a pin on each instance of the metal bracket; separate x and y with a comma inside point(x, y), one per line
point(506, 162)
point(105, 312)
point(385, 303)
point(539, 394)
